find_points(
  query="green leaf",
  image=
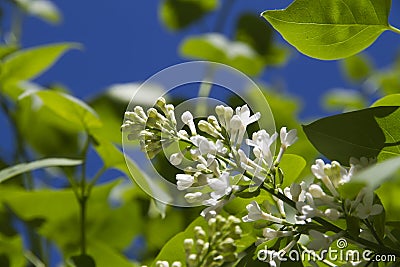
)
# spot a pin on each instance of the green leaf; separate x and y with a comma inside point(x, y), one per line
point(344, 99)
point(62, 138)
point(331, 29)
point(390, 100)
point(388, 193)
point(178, 14)
point(66, 107)
point(370, 132)
point(357, 68)
point(292, 166)
point(15, 170)
point(12, 251)
point(215, 47)
point(59, 212)
point(83, 261)
point(29, 63)
point(5, 50)
point(44, 9)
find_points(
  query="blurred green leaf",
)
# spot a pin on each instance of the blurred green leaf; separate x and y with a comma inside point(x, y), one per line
point(389, 81)
point(29, 63)
point(292, 166)
point(178, 14)
point(357, 68)
point(388, 192)
point(83, 261)
point(215, 47)
point(5, 50)
point(344, 100)
point(331, 29)
point(252, 30)
point(67, 108)
point(62, 139)
point(60, 211)
point(390, 100)
point(44, 9)
point(12, 251)
point(371, 133)
point(114, 158)
point(173, 250)
point(43, 163)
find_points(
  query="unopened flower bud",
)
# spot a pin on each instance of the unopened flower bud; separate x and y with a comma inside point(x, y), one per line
point(187, 117)
point(214, 122)
point(192, 260)
point(161, 103)
point(233, 220)
point(199, 233)
point(316, 191)
point(295, 191)
point(200, 245)
point(231, 257)
point(188, 244)
point(176, 159)
point(176, 264)
point(237, 233)
point(332, 214)
point(162, 264)
point(228, 245)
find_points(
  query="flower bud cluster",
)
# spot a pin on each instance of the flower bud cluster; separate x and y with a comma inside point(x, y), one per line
point(217, 246)
point(154, 129)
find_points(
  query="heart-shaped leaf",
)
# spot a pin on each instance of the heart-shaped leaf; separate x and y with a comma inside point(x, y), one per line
point(331, 29)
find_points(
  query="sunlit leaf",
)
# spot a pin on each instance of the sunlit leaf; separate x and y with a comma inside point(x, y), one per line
point(53, 137)
point(174, 250)
point(215, 47)
point(371, 132)
point(44, 9)
point(292, 166)
point(5, 50)
point(357, 68)
point(331, 29)
point(390, 100)
point(178, 14)
point(29, 63)
point(10, 172)
point(11, 251)
point(67, 107)
point(344, 100)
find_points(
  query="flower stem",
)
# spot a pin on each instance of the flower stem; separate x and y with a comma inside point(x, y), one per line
point(394, 29)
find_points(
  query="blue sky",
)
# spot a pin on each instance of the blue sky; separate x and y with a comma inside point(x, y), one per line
point(125, 42)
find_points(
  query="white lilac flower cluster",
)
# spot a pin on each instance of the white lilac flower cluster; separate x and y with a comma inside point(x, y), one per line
point(318, 199)
point(212, 248)
point(214, 147)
